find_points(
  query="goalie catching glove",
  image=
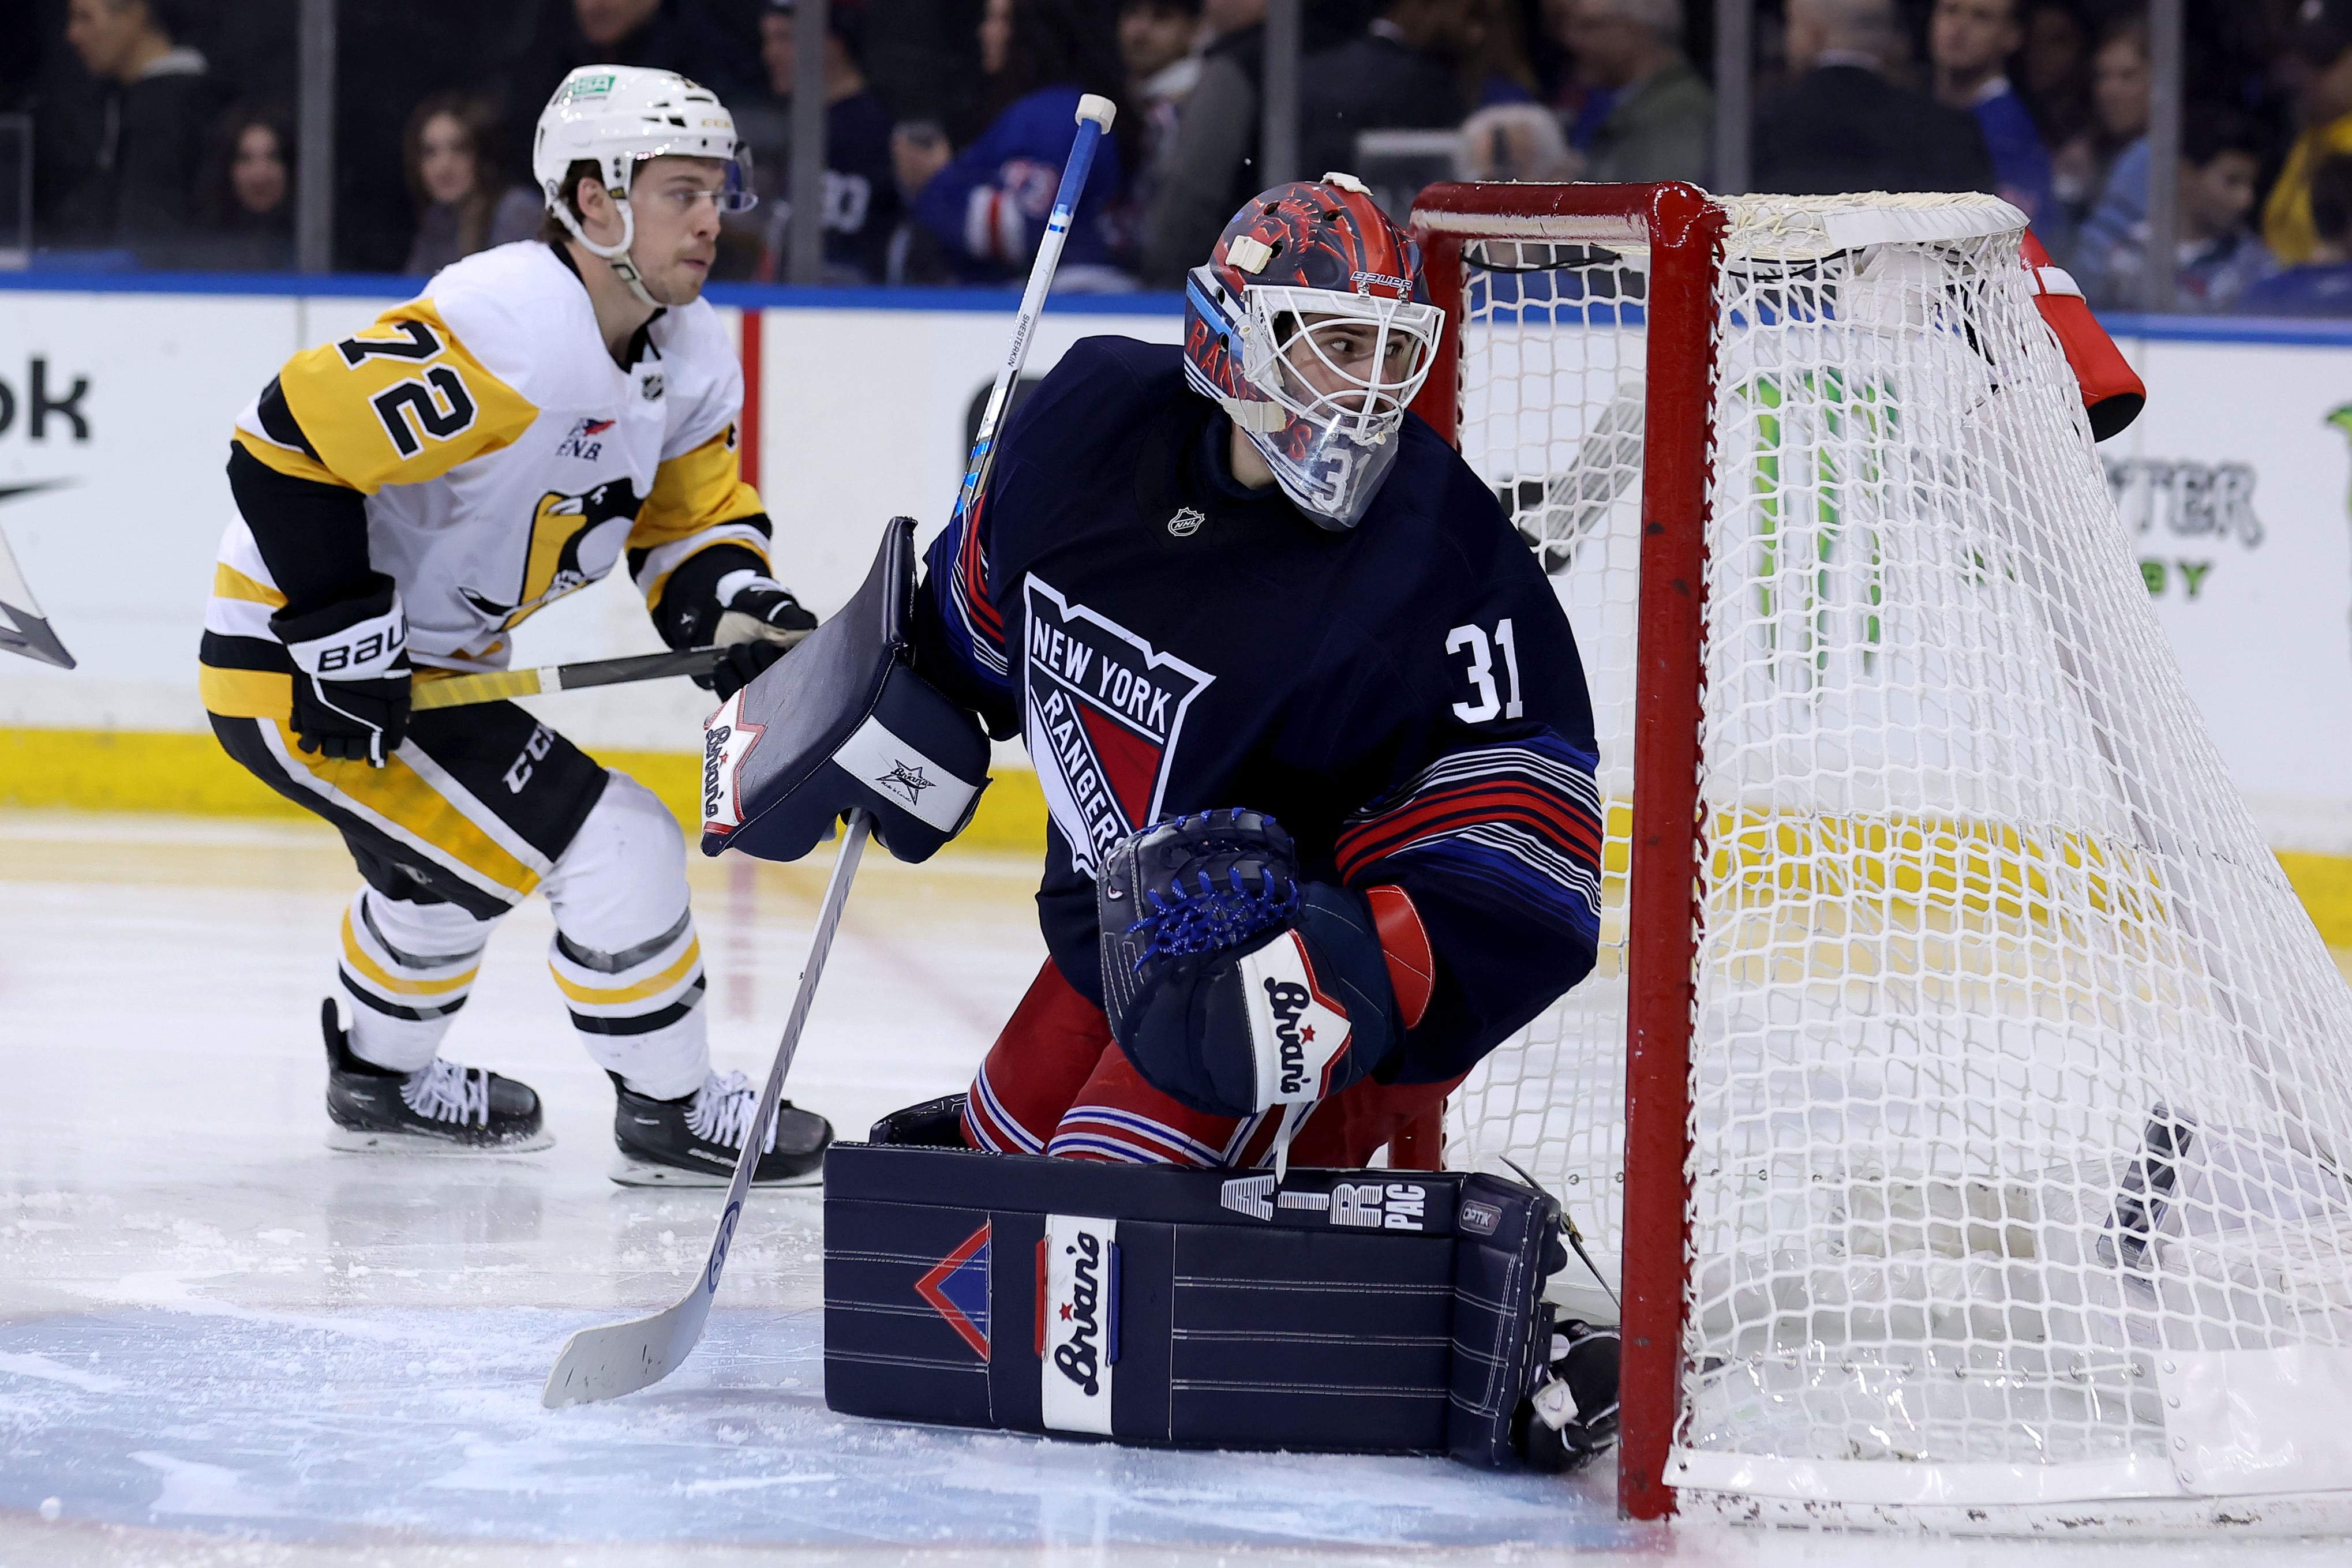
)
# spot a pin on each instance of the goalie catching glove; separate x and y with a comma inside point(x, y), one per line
point(1235, 987)
point(351, 681)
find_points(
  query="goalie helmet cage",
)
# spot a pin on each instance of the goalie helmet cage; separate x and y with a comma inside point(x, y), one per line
point(1974, 1082)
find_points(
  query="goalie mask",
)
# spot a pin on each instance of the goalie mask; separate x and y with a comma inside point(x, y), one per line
point(1311, 327)
point(617, 116)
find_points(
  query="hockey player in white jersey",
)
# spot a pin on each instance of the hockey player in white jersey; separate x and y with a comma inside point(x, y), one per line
point(409, 495)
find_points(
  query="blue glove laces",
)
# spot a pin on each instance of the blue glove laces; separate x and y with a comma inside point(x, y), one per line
point(1214, 918)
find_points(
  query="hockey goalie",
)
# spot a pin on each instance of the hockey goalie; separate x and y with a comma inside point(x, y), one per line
point(1319, 759)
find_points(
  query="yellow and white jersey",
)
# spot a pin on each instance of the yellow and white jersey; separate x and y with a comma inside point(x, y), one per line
point(503, 458)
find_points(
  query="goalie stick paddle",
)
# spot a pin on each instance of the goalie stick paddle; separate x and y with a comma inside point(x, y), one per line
point(23, 629)
point(620, 1358)
point(464, 690)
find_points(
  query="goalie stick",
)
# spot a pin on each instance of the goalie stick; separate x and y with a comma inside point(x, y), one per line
point(606, 1362)
point(23, 629)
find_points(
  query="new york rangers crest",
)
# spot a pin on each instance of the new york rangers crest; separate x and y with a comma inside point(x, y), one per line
point(1103, 710)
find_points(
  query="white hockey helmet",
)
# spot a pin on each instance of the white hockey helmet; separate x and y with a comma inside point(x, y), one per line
point(619, 116)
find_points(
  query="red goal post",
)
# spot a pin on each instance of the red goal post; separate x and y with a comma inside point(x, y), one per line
point(1680, 229)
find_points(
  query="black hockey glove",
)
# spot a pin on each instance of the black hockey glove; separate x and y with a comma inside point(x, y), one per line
point(759, 623)
point(1572, 1415)
point(1233, 986)
point(350, 681)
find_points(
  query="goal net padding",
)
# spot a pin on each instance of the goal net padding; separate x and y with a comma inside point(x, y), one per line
point(1961, 1100)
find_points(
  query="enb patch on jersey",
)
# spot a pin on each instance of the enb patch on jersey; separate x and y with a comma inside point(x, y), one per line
point(1077, 1321)
point(1297, 1033)
point(1103, 712)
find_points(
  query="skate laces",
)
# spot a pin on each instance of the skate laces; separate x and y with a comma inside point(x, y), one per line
point(722, 1111)
point(445, 1091)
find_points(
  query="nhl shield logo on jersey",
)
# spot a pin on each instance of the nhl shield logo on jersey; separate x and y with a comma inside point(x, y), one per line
point(1104, 711)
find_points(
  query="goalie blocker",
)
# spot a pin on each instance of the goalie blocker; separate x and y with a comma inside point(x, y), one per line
point(841, 722)
point(1369, 1311)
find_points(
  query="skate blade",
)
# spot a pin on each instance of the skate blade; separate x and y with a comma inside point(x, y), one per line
point(354, 1142)
point(630, 1172)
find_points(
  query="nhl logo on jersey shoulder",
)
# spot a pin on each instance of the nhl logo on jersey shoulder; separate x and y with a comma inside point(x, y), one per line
point(1186, 522)
point(651, 386)
point(1104, 711)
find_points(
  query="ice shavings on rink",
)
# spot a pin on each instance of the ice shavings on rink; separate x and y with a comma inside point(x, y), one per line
point(303, 1427)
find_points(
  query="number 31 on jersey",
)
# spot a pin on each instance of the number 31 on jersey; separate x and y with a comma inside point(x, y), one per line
point(1486, 702)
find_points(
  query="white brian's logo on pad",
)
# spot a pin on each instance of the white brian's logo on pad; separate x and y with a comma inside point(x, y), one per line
point(1077, 1320)
point(727, 740)
point(1297, 1033)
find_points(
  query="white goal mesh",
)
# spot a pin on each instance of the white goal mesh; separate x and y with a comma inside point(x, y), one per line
point(2021, 1081)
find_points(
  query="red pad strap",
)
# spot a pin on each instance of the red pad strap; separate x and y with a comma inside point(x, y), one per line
point(1404, 943)
point(2113, 394)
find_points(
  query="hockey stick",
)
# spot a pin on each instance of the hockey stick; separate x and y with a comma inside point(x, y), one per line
point(620, 1358)
point(606, 1362)
point(23, 629)
point(463, 691)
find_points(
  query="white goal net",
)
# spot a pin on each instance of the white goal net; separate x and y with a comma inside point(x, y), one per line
point(2020, 1083)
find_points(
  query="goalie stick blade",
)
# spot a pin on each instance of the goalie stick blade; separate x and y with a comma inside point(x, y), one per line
point(23, 629)
point(30, 636)
point(613, 1359)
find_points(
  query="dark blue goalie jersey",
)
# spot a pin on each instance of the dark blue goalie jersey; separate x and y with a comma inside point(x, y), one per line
point(1405, 697)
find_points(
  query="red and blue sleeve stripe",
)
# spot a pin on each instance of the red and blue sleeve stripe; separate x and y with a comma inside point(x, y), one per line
point(1522, 818)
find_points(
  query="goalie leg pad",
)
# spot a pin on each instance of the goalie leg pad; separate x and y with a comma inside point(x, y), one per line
point(1390, 1312)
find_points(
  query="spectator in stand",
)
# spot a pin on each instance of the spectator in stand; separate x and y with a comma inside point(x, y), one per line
point(2220, 256)
point(159, 100)
point(1840, 125)
point(1660, 123)
point(1155, 44)
point(1970, 43)
point(1208, 168)
point(862, 208)
point(2120, 79)
point(988, 207)
point(2325, 43)
point(1402, 73)
point(667, 35)
point(919, 148)
point(462, 205)
point(245, 205)
point(1495, 69)
point(2055, 73)
point(2321, 284)
point(1515, 141)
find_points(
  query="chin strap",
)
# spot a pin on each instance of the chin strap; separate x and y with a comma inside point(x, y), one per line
point(615, 257)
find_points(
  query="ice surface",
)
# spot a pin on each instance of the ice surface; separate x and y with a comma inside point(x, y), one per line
point(222, 1342)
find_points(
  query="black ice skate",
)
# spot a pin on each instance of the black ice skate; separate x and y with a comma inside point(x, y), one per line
point(441, 1108)
point(693, 1142)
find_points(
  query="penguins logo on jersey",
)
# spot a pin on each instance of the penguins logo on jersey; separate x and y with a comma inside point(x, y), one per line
point(1104, 714)
point(565, 552)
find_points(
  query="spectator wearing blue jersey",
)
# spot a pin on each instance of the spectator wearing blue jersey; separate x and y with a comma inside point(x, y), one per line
point(988, 207)
point(2323, 285)
point(1972, 43)
point(2219, 257)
